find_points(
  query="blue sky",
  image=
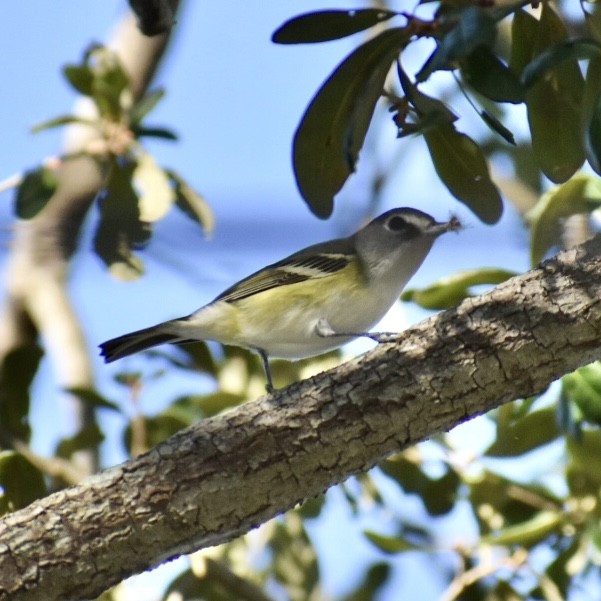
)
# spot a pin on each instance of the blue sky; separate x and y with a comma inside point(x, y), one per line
point(235, 99)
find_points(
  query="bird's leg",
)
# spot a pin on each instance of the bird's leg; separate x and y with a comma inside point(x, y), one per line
point(324, 329)
point(266, 368)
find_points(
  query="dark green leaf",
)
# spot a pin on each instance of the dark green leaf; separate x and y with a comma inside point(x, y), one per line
point(191, 202)
point(89, 437)
point(20, 482)
point(312, 508)
point(583, 387)
point(495, 125)
point(325, 25)
point(553, 56)
point(526, 434)
point(145, 105)
point(80, 77)
point(449, 291)
point(554, 105)
point(154, 132)
point(16, 375)
point(34, 192)
point(376, 577)
point(491, 77)
point(331, 133)
point(578, 195)
point(591, 114)
point(524, 31)
point(63, 120)
point(475, 27)
point(93, 398)
point(120, 229)
point(461, 166)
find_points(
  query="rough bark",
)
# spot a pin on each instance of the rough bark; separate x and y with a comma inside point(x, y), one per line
point(223, 476)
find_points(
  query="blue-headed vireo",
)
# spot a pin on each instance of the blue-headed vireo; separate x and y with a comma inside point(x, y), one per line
point(310, 302)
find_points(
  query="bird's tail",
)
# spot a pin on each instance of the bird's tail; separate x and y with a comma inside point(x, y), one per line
point(131, 343)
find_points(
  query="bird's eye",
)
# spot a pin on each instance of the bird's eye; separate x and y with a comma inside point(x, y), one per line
point(396, 224)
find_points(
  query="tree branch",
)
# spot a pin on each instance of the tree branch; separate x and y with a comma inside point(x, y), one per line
point(225, 475)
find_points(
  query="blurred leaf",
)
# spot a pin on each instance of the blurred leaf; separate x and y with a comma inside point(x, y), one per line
point(189, 587)
point(591, 114)
point(578, 195)
point(554, 55)
point(89, 437)
point(495, 125)
point(527, 533)
point(584, 463)
point(461, 166)
point(210, 404)
point(332, 130)
point(376, 577)
point(321, 26)
point(475, 27)
point(532, 431)
point(80, 77)
point(20, 482)
point(154, 132)
point(93, 398)
point(62, 120)
point(190, 202)
point(488, 75)
point(558, 570)
point(294, 559)
point(17, 372)
point(120, 229)
point(34, 192)
point(146, 105)
point(438, 494)
point(448, 291)
point(154, 188)
point(524, 32)
point(390, 544)
point(312, 508)
point(583, 387)
point(554, 102)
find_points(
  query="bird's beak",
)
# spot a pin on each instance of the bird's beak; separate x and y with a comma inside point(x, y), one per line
point(453, 225)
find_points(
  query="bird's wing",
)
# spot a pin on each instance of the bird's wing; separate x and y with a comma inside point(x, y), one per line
point(304, 265)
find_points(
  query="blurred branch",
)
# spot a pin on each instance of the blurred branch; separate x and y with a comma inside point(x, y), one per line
point(223, 476)
point(37, 301)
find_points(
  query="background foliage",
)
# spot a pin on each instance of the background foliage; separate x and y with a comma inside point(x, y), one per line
point(528, 490)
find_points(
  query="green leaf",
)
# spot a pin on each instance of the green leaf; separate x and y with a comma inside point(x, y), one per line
point(377, 575)
point(475, 27)
point(524, 31)
point(532, 431)
point(16, 375)
point(583, 387)
point(89, 437)
point(80, 77)
point(553, 56)
point(120, 229)
point(62, 120)
point(495, 125)
point(448, 291)
point(390, 544)
point(191, 202)
point(34, 192)
point(528, 533)
point(591, 114)
point(332, 130)
point(155, 193)
point(145, 105)
point(461, 166)
point(20, 482)
point(578, 195)
point(491, 77)
point(154, 132)
point(584, 463)
point(554, 105)
point(321, 26)
point(93, 398)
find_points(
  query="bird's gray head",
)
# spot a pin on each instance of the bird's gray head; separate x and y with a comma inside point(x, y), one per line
point(400, 236)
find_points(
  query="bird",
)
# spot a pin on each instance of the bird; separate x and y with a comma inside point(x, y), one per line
point(310, 302)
